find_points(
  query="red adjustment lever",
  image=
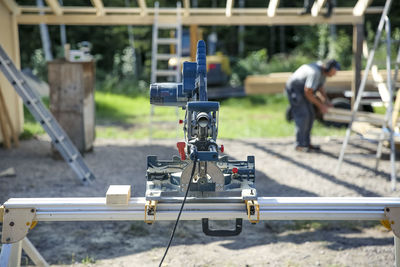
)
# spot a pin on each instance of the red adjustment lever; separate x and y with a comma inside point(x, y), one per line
point(235, 170)
point(181, 149)
point(180, 121)
point(222, 148)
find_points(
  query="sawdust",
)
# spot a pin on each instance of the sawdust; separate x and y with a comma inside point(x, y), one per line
point(280, 172)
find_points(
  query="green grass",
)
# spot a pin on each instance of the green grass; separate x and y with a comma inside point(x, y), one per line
point(121, 116)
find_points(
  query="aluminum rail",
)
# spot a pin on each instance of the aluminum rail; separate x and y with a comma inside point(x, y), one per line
point(271, 208)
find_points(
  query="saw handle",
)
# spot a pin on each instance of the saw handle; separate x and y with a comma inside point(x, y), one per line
point(210, 232)
point(181, 149)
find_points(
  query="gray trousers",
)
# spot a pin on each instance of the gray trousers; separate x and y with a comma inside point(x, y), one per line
point(303, 115)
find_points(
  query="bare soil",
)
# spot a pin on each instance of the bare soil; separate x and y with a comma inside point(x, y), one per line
point(280, 172)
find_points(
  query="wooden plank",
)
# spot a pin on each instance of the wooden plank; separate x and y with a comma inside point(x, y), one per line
point(206, 20)
point(396, 109)
point(55, 7)
point(360, 7)
point(316, 8)
point(344, 115)
point(98, 4)
point(382, 88)
point(273, 5)
point(8, 120)
point(229, 6)
point(4, 128)
point(186, 7)
point(143, 7)
point(12, 6)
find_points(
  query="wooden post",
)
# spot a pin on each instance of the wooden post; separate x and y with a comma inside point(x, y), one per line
point(358, 38)
point(72, 100)
point(10, 42)
point(6, 123)
point(193, 41)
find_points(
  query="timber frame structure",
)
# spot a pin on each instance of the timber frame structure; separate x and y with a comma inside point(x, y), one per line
point(13, 14)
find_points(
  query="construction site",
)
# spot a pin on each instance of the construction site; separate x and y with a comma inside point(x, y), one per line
point(199, 133)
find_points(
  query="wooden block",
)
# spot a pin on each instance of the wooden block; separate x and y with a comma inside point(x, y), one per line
point(118, 195)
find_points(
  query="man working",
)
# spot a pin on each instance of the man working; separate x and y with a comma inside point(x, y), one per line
point(301, 89)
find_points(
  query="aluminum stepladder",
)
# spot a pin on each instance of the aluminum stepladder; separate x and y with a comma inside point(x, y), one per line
point(158, 57)
point(388, 124)
point(42, 115)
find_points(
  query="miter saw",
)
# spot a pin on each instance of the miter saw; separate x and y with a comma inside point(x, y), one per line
point(215, 176)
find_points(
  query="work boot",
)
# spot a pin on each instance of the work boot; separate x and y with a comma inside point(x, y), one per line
point(304, 149)
point(314, 147)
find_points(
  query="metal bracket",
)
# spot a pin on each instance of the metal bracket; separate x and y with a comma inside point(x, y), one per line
point(253, 211)
point(393, 220)
point(17, 223)
point(150, 211)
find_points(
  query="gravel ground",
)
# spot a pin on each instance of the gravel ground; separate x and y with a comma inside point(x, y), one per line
point(280, 172)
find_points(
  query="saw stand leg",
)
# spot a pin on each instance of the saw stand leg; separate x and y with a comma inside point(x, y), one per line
point(397, 251)
point(10, 255)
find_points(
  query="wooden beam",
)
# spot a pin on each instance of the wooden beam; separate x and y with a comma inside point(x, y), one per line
point(55, 7)
point(229, 7)
point(206, 20)
point(186, 7)
point(98, 4)
point(12, 6)
point(316, 8)
point(273, 5)
point(143, 7)
point(192, 11)
point(360, 7)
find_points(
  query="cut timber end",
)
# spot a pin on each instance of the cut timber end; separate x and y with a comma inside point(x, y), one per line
point(118, 195)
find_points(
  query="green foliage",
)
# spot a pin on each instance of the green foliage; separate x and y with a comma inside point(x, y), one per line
point(257, 63)
point(88, 260)
point(39, 64)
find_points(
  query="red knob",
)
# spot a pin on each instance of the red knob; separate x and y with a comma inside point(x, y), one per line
point(181, 149)
point(180, 121)
point(235, 170)
point(222, 148)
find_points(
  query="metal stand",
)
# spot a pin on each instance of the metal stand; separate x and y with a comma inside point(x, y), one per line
point(11, 254)
point(22, 212)
point(388, 124)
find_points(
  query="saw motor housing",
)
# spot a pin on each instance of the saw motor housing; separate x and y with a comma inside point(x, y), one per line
point(215, 175)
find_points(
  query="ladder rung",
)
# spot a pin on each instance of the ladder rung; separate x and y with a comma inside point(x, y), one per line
point(166, 72)
point(168, 26)
point(167, 41)
point(166, 56)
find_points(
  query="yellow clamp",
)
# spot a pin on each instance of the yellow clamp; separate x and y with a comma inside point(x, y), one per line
point(387, 224)
point(253, 209)
point(150, 211)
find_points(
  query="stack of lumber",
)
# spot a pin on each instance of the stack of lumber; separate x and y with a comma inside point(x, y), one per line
point(344, 116)
point(275, 82)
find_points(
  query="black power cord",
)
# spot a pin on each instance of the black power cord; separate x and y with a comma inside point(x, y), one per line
point(179, 214)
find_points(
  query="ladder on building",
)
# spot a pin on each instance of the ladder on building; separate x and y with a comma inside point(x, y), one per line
point(42, 115)
point(388, 125)
point(174, 41)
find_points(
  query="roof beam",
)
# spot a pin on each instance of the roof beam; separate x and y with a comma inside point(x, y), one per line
point(273, 5)
point(143, 7)
point(186, 7)
point(55, 7)
point(360, 7)
point(316, 8)
point(12, 6)
point(206, 20)
point(98, 4)
point(229, 6)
